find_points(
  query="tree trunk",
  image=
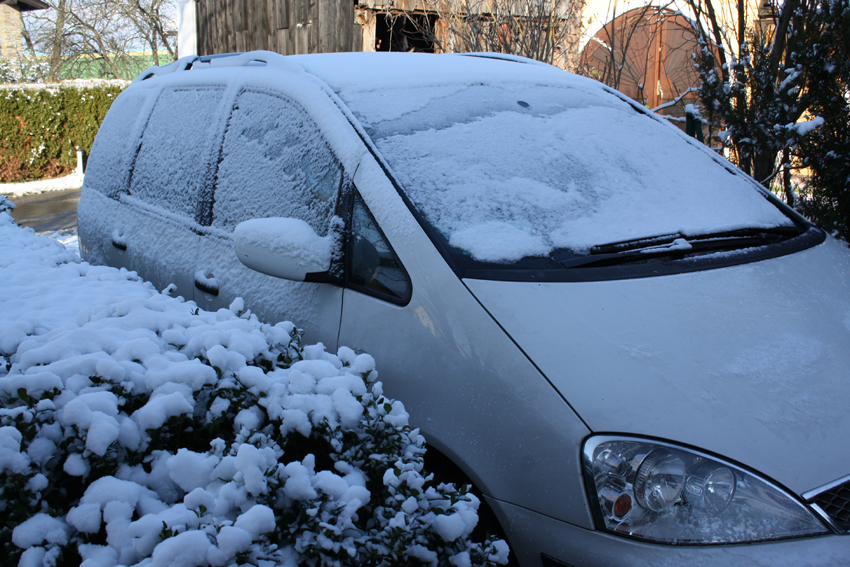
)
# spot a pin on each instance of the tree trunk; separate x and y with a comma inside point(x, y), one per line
point(58, 42)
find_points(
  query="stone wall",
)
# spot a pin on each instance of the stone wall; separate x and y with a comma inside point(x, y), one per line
point(10, 32)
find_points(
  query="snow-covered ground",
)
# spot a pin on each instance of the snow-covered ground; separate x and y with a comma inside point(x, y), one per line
point(73, 181)
point(69, 239)
point(138, 430)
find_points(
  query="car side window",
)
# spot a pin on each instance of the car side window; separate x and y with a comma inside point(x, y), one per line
point(373, 267)
point(274, 163)
point(117, 141)
point(171, 166)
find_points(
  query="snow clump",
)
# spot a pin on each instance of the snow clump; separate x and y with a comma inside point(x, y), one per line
point(139, 430)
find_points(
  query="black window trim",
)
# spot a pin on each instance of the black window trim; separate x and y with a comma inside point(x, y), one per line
point(350, 196)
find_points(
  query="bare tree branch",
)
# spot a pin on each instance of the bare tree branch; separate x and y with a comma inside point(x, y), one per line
point(675, 101)
point(545, 30)
point(101, 37)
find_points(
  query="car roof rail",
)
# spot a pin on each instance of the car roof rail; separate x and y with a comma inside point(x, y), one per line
point(180, 65)
point(504, 57)
point(247, 59)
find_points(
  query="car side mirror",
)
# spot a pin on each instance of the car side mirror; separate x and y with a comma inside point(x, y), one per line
point(286, 248)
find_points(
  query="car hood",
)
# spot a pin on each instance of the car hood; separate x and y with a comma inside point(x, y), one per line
point(751, 362)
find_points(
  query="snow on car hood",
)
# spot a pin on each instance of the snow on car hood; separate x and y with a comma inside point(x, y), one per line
point(751, 362)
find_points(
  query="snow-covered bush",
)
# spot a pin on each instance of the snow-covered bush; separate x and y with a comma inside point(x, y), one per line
point(6, 205)
point(136, 429)
point(22, 70)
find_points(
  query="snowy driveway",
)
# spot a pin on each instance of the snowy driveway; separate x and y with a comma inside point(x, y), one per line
point(47, 212)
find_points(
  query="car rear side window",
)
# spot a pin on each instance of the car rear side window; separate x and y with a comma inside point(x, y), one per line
point(108, 167)
point(274, 163)
point(177, 147)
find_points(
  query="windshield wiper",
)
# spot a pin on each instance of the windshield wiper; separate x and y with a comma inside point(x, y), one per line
point(677, 246)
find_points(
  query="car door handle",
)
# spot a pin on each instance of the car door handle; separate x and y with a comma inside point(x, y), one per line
point(206, 283)
point(118, 240)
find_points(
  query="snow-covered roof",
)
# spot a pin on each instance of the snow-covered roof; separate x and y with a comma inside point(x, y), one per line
point(389, 69)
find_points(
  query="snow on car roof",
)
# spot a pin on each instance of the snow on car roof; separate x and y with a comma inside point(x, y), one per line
point(388, 69)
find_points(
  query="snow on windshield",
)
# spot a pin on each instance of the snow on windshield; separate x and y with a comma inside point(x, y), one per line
point(509, 170)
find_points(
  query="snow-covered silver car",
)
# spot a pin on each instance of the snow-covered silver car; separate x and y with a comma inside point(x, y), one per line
point(638, 355)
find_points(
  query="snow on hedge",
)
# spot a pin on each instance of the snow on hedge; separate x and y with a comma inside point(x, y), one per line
point(136, 429)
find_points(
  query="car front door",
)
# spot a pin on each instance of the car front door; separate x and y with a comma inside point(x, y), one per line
point(274, 162)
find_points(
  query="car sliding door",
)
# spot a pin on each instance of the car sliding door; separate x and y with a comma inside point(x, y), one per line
point(274, 162)
point(171, 179)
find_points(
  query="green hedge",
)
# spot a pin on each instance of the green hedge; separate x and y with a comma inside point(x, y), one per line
point(40, 126)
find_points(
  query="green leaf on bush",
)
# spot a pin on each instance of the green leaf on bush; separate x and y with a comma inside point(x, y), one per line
point(22, 393)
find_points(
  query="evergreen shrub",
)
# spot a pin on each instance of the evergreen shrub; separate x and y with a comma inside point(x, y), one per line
point(41, 125)
point(139, 430)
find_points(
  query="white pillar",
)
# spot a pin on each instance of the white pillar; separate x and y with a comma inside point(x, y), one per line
point(187, 29)
point(79, 169)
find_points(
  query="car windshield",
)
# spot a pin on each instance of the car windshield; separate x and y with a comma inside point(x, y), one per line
point(506, 171)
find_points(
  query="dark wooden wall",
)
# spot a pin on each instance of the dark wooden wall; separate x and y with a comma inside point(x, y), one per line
point(287, 27)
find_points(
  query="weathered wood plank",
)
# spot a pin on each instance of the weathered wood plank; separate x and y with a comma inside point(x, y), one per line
point(301, 11)
point(340, 29)
point(313, 32)
point(256, 22)
point(286, 41)
point(236, 11)
point(222, 23)
point(347, 26)
point(202, 22)
point(206, 19)
point(323, 21)
point(303, 39)
point(279, 11)
point(283, 26)
point(336, 31)
point(222, 30)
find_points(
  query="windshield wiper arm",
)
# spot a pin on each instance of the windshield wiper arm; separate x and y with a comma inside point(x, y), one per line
point(661, 239)
point(677, 245)
point(636, 244)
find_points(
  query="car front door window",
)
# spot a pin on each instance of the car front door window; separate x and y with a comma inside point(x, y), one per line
point(274, 163)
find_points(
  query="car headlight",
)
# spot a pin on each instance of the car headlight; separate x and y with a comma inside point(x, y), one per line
point(663, 493)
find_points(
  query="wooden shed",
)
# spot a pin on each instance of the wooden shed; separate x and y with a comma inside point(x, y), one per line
point(292, 27)
point(284, 26)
